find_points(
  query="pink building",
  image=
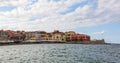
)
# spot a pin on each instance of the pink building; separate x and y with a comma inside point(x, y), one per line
point(80, 37)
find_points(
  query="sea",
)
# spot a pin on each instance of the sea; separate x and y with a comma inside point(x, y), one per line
point(60, 53)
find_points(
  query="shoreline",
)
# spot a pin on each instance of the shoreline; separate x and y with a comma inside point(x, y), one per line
point(45, 42)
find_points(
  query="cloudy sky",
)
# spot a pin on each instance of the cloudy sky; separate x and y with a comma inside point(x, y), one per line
point(97, 18)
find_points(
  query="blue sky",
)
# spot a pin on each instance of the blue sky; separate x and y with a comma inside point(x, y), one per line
point(97, 18)
point(111, 32)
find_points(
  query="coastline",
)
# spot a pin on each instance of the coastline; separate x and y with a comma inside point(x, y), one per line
point(45, 42)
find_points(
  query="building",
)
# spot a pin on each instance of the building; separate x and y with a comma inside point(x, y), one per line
point(33, 36)
point(46, 37)
point(69, 35)
point(58, 36)
point(3, 35)
point(8, 35)
point(37, 36)
point(80, 38)
point(42, 35)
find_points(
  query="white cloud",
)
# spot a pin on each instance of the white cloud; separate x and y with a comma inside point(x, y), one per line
point(47, 15)
point(99, 33)
point(14, 2)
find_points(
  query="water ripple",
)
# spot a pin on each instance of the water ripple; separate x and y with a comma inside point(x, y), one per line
point(60, 53)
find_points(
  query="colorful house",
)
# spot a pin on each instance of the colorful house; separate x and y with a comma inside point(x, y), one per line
point(58, 36)
point(69, 35)
point(32, 36)
point(3, 35)
point(11, 35)
point(80, 38)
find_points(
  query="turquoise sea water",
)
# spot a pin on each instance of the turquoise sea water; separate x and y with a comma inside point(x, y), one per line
point(60, 53)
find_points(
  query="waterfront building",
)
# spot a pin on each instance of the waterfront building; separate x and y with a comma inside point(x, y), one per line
point(32, 36)
point(7, 35)
point(3, 35)
point(20, 34)
point(38, 36)
point(47, 37)
point(42, 35)
point(58, 36)
point(69, 35)
point(80, 38)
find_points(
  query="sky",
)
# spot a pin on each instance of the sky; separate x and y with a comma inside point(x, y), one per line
point(97, 18)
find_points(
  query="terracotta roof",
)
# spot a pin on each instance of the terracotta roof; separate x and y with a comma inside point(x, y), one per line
point(11, 33)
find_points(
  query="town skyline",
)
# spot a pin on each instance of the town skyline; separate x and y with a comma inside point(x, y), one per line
point(97, 18)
